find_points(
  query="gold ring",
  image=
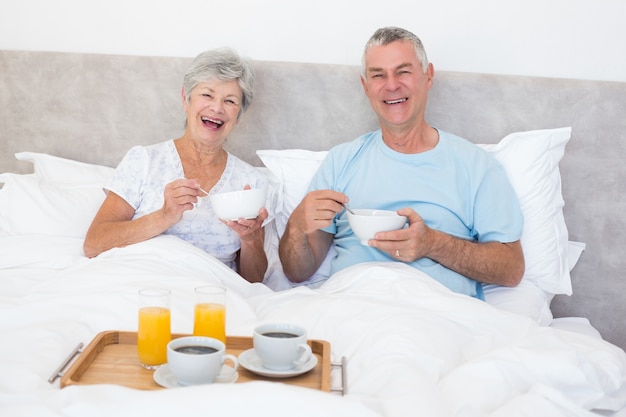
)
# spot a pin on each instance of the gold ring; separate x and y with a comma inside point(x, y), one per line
point(397, 253)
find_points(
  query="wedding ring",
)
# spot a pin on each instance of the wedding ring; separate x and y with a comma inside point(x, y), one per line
point(397, 253)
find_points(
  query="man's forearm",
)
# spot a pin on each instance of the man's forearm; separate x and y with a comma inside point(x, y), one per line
point(297, 255)
point(491, 262)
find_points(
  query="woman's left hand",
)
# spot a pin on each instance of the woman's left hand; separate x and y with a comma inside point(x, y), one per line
point(248, 228)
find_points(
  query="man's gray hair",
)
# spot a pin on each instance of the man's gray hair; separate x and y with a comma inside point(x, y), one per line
point(385, 36)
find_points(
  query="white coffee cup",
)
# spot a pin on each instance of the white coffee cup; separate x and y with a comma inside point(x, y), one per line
point(281, 346)
point(198, 360)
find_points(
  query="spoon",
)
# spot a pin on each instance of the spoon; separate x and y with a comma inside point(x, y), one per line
point(346, 207)
point(199, 202)
point(200, 188)
point(204, 191)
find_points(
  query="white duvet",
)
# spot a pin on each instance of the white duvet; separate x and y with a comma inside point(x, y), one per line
point(412, 347)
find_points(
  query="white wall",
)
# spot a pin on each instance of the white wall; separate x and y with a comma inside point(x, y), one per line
point(582, 39)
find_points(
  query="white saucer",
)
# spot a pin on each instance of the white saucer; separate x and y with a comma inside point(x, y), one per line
point(249, 360)
point(165, 378)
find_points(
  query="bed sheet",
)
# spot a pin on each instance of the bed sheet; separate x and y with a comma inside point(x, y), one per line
point(411, 345)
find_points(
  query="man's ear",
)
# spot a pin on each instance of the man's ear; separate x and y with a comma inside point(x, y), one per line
point(430, 72)
point(364, 84)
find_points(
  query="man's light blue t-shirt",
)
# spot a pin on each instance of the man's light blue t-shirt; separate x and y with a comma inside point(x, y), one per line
point(457, 188)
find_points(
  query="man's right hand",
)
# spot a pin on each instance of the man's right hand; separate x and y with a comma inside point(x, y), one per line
point(317, 210)
point(304, 246)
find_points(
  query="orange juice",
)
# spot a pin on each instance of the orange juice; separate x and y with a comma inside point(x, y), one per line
point(153, 335)
point(210, 320)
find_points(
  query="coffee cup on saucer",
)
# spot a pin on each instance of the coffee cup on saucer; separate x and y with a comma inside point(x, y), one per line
point(197, 360)
point(281, 346)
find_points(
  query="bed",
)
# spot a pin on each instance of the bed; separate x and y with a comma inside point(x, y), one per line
point(552, 346)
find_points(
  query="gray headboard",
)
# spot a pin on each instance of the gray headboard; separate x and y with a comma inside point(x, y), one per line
point(94, 107)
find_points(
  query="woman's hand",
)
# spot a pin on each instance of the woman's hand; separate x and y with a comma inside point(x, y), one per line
point(251, 260)
point(179, 196)
point(114, 226)
point(248, 229)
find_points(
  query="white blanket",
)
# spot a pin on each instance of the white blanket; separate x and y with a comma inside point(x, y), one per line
point(412, 346)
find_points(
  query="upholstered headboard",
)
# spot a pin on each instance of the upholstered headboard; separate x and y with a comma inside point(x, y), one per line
point(92, 108)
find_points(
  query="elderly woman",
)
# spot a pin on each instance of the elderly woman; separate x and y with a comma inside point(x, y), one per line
point(155, 188)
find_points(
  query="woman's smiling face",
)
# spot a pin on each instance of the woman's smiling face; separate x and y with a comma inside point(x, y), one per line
point(213, 110)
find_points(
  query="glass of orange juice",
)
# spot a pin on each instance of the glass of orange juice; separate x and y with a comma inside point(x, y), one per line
point(210, 312)
point(154, 329)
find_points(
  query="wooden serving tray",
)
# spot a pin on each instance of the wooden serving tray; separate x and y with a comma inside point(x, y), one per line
point(111, 358)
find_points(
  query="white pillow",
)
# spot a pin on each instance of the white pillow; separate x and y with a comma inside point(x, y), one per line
point(40, 251)
point(531, 161)
point(32, 206)
point(527, 299)
point(574, 250)
point(293, 168)
point(66, 171)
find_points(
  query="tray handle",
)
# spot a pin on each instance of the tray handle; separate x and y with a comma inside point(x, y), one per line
point(59, 371)
point(343, 365)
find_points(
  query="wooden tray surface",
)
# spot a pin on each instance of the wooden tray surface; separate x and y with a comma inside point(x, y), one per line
point(111, 358)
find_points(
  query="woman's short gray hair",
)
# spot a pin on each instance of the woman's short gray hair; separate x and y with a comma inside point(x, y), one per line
point(385, 36)
point(221, 64)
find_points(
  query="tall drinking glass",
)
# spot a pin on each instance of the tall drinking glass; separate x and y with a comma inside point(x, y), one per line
point(210, 312)
point(154, 329)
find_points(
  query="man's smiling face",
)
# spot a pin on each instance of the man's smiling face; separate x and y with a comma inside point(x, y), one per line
point(395, 84)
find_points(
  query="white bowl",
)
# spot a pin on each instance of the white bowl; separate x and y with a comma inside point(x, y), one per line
point(365, 223)
point(237, 204)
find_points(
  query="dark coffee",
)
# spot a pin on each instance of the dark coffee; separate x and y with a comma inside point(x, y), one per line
point(196, 350)
point(280, 335)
